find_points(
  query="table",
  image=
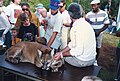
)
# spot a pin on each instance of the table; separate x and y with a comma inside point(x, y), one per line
point(30, 71)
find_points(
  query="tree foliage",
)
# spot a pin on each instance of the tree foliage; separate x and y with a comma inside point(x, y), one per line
point(85, 4)
point(6, 2)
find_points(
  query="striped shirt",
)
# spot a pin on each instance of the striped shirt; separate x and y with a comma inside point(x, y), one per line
point(97, 20)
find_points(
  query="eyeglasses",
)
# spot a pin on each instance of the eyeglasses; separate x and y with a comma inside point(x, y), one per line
point(23, 9)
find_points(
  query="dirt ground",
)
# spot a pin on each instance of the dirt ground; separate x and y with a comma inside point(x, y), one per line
point(107, 57)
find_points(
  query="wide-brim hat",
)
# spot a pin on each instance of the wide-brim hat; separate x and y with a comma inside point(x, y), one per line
point(95, 2)
point(39, 6)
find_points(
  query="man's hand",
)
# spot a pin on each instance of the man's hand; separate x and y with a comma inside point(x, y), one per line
point(97, 33)
point(3, 36)
point(57, 56)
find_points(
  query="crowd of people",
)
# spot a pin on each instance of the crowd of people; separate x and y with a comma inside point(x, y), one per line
point(74, 35)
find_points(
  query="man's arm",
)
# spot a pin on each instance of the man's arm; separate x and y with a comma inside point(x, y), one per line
point(64, 52)
point(52, 39)
point(101, 30)
point(104, 27)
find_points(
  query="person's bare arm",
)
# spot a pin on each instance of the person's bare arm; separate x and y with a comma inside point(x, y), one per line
point(101, 30)
point(67, 24)
point(52, 39)
point(65, 52)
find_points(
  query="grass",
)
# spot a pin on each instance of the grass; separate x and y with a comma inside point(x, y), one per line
point(106, 76)
point(107, 58)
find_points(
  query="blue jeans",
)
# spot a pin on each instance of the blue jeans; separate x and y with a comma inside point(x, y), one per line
point(8, 38)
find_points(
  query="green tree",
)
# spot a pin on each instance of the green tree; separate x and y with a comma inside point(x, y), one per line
point(6, 2)
point(85, 4)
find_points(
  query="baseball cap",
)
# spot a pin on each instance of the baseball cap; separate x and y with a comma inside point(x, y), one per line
point(54, 4)
point(39, 6)
point(95, 2)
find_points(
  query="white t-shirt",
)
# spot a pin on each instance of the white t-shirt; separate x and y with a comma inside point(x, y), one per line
point(54, 25)
point(65, 30)
point(114, 23)
point(13, 11)
point(83, 42)
point(4, 23)
point(66, 17)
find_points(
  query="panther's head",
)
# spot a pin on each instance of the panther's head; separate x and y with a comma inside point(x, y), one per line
point(13, 55)
point(49, 63)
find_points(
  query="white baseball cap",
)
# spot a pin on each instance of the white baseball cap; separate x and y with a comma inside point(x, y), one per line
point(95, 2)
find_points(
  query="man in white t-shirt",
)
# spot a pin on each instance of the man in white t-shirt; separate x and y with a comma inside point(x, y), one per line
point(12, 11)
point(53, 32)
point(81, 50)
point(66, 20)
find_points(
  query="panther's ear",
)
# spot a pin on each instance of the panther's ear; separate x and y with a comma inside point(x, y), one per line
point(44, 49)
point(41, 40)
point(48, 50)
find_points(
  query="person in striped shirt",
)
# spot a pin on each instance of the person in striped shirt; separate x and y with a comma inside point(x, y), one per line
point(99, 21)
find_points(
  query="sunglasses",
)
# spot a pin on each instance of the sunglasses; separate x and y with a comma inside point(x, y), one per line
point(23, 9)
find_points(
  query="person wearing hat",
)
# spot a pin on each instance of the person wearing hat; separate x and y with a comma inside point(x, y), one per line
point(39, 8)
point(81, 50)
point(99, 21)
point(66, 20)
point(53, 31)
point(41, 13)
